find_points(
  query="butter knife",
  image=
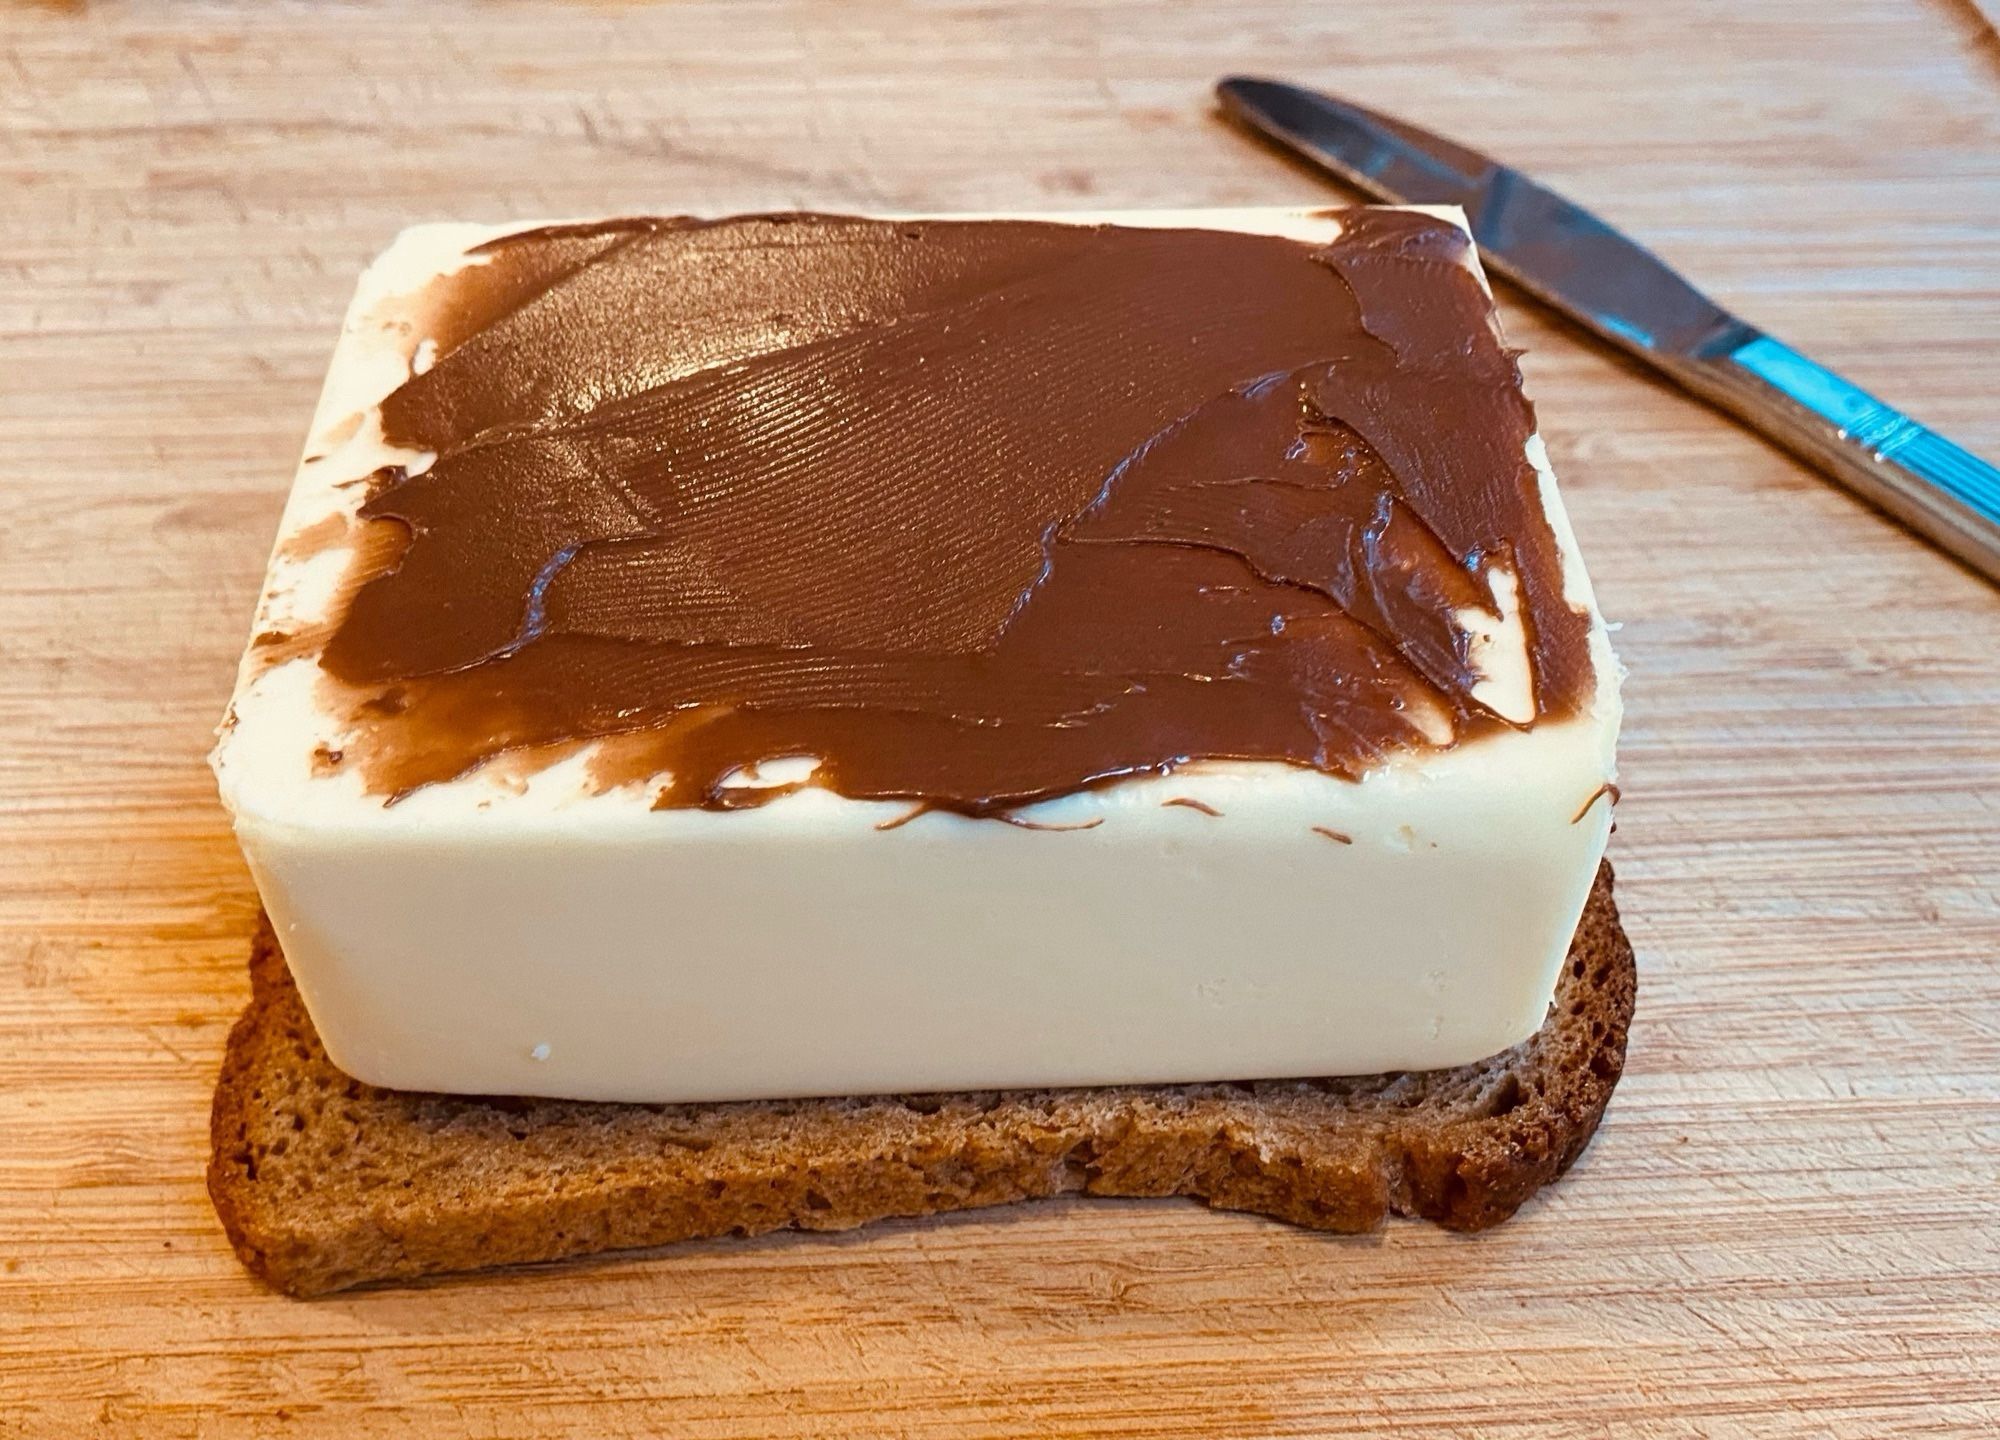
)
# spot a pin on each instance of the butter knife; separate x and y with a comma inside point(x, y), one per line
point(1568, 258)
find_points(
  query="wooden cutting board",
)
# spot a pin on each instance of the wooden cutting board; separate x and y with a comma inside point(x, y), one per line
point(1788, 1225)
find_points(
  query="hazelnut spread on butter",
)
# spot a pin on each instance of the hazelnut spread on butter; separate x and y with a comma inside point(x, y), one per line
point(972, 513)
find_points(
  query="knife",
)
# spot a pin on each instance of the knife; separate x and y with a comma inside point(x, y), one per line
point(1568, 258)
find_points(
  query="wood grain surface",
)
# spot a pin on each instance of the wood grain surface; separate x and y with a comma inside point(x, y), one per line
point(1789, 1223)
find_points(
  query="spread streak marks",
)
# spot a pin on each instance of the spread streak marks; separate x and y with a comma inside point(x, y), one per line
point(1607, 788)
point(978, 513)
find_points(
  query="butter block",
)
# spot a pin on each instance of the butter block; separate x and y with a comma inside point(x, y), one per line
point(636, 711)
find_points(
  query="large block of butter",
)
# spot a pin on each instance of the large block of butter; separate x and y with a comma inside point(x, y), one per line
point(802, 655)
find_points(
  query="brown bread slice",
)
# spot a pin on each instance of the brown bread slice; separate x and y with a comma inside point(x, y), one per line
point(323, 1182)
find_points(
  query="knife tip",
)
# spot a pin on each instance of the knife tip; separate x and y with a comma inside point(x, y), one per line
point(1245, 97)
point(1252, 98)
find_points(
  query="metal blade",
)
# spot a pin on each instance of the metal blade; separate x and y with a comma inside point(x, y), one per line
point(1559, 252)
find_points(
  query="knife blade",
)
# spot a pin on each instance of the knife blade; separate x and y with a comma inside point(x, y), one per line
point(1578, 264)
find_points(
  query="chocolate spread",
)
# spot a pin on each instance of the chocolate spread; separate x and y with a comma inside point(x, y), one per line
point(975, 513)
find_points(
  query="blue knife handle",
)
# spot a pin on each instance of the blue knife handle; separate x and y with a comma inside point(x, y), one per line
point(1944, 493)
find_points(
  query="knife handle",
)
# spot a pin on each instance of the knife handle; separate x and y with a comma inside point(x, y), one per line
point(1948, 495)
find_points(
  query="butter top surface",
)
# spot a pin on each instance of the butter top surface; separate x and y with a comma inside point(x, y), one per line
point(968, 514)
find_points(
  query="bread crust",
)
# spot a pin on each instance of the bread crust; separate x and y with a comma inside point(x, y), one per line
point(323, 1182)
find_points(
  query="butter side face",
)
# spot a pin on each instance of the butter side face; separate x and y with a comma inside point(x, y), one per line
point(543, 928)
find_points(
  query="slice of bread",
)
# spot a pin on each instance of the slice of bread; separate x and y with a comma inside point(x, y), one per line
point(323, 1182)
